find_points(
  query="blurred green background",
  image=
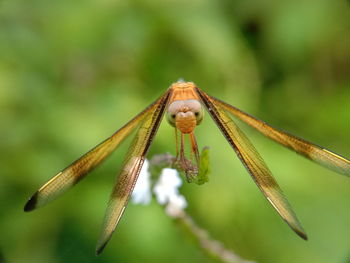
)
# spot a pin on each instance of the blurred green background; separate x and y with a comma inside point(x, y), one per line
point(73, 72)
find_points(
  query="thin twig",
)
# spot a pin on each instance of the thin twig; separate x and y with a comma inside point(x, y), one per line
point(208, 244)
point(211, 246)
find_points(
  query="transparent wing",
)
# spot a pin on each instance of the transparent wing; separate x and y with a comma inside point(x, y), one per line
point(253, 162)
point(311, 151)
point(71, 175)
point(130, 171)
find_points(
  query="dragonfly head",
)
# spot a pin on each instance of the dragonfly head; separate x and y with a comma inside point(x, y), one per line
point(185, 114)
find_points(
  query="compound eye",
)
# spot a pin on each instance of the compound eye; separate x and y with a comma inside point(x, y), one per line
point(199, 115)
point(171, 118)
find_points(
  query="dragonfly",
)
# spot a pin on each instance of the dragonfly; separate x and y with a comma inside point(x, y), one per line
point(183, 103)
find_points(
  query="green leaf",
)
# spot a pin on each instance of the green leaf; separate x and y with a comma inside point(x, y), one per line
point(202, 175)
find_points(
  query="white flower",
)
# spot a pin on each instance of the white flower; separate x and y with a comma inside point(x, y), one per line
point(176, 206)
point(166, 191)
point(142, 191)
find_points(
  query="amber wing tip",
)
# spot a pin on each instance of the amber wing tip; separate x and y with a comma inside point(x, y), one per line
point(302, 234)
point(31, 204)
point(100, 248)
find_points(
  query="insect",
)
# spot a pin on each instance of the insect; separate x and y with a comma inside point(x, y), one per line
point(183, 104)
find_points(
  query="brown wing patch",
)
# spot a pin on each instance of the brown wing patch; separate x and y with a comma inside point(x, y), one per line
point(309, 150)
point(253, 162)
point(130, 171)
point(75, 172)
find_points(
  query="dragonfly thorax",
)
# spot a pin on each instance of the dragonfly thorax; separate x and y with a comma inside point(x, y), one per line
point(185, 114)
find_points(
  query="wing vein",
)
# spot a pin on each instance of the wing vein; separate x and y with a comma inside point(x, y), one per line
point(309, 150)
point(253, 162)
point(131, 168)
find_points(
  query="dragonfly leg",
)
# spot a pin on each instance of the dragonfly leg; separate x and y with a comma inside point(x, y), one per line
point(176, 144)
point(182, 149)
point(194, 147)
